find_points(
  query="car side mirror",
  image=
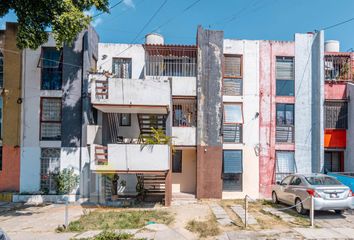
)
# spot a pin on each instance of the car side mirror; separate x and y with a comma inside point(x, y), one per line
point(278, 182)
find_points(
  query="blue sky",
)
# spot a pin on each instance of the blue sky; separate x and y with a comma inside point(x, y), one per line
point(241, 19)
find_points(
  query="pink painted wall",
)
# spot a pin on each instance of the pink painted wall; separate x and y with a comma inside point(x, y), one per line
point(268, 52)
point(335, 90)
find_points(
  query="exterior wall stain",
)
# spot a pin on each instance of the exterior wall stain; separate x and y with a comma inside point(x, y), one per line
point(209, 98)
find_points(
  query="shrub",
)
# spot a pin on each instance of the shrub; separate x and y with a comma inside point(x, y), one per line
point(66, 181)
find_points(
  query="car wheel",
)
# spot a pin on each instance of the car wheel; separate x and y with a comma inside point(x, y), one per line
point(274, 198)
point(339, 211)
point(300, 207)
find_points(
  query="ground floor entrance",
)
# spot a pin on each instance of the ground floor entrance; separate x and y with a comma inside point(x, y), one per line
point(184, 171)
point(333, 161)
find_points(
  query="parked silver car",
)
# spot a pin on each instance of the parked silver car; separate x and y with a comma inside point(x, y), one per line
point(328, 193)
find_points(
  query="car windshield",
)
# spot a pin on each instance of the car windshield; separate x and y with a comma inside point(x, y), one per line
point(322, 181)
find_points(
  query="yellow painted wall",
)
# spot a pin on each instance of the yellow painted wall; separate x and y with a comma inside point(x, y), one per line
point(12, 86)
point(186, 181)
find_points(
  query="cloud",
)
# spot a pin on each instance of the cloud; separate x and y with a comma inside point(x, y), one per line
point(96, 22)
point(129, 3)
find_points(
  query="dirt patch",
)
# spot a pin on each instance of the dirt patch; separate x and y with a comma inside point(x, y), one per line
point(204, 229)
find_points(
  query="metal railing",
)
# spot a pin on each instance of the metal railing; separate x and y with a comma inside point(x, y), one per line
point(184, 112)
point(101, 155)
point(338, 68)
point(171, 66)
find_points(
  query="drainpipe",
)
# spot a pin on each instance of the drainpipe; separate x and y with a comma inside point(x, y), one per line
point(81, 111)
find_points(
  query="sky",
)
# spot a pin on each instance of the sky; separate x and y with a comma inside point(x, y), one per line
point(239, 19)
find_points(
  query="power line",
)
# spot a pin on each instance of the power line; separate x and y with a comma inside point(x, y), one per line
point(149, 21)
point(142, 29)
point(338, 24)
point(99, 14)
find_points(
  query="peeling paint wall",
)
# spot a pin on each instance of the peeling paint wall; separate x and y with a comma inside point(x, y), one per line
point(209, 101)
point(269, 50)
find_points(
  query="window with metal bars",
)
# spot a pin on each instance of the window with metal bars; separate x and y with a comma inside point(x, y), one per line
point(285, 164)
point(50, 119)
point(179, 66)
point(285, 127)
point(232, 82)
point(232, 170)
point(50, 63)
point(232, 123)
point(336, 115)
point(285, 76)
point(338, 68)
point(50, 166)
point(122, 67)
point(184, 112)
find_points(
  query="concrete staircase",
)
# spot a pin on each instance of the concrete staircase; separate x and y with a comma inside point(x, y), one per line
point(183, 199)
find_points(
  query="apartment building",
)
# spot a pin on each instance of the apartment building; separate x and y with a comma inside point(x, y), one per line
point(222, 118)
point(55, 112)
point(10, 109)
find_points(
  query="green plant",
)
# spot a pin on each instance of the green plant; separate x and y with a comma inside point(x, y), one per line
point(110, 235)
point(66, 181)
point(158, 136)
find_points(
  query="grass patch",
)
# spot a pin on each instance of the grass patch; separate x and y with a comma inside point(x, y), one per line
point(111, 220)
point(109, 235)
point(204, 228)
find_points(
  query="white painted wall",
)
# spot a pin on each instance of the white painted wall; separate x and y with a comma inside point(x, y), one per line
point(184, 136)
point(125, 157)
point(250, 102)
point(30, 144)
point(133, 92)
point(107, 51)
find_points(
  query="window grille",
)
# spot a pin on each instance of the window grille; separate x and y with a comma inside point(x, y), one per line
point(50, 166)
point(50, 118)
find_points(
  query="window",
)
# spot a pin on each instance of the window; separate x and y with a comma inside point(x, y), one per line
point(338, 68)
point(125, 119)
point(232, 82)
point(284, 123)
point(50, 166)
point(286, 181)
point(232, 125)
point(285, 75)
point(184, 112)
point(51, 64)
point(1, 70)
point(336, 115)
point(232, 170)
point(122, 67)
point(169, 61)
point(285, 164)
point(296, 181)
point(177, 161)
point(50, 119)
point(332, 161)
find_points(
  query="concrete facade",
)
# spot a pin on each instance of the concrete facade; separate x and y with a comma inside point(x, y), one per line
point(11, 114)
point(78, 59)
point(249, 50)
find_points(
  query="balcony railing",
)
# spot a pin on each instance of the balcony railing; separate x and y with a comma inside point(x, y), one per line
point(232, 133)
point(132, 92)
point(130, 157)
point(338, 68)
point(284, 134)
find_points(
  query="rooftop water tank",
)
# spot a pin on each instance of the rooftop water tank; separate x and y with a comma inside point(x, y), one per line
point(332, 46)
point(154, 38)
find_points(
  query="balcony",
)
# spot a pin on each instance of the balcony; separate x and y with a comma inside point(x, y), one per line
point(338, 67)
point(130, 158)
point(130, 95)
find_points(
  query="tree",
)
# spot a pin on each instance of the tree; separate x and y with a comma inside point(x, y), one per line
point(66, 18)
